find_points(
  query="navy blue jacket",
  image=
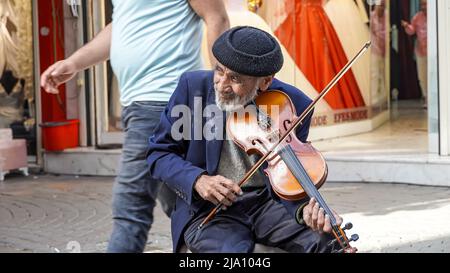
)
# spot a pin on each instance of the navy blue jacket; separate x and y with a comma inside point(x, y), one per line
point(180, 163)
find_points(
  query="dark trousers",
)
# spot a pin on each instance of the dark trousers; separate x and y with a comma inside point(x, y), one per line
point(135, 191)
point(254, 218)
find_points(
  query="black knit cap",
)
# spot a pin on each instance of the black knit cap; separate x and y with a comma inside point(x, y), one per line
point(249, 51)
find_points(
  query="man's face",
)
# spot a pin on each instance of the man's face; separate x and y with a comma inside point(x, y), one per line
point(423, 5)
point(234, 90)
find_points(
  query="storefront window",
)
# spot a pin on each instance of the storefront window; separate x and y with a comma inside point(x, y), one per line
point(17, 99)
point(319, 38)
point(409, 50)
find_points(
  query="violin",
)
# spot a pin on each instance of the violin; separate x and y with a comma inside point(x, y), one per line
point(257, 131)
point(295, 169)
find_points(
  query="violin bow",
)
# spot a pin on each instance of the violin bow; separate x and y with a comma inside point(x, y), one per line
point(296, 123)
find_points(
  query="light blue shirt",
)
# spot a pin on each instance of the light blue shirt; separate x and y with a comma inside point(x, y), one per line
point(153, 43)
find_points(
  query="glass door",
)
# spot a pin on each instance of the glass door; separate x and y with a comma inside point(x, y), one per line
point(107, 103)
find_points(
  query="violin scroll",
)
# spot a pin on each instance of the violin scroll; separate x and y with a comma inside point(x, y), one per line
point(344, 241)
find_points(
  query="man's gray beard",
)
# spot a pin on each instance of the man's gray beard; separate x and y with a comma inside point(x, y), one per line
point(237, 103)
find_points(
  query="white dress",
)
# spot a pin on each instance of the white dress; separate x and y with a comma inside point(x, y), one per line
point(353, 34)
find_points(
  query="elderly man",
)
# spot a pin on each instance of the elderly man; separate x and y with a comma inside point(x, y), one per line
point(204, 172)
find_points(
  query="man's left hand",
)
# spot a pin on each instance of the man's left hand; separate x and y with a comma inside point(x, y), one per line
point(315, 217)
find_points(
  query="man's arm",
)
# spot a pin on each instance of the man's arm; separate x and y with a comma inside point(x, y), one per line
point(216, 19)
point(96, 51)
point(92, 53)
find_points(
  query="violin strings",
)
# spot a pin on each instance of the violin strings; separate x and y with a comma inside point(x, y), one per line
point(309, 187)
point(292, 160)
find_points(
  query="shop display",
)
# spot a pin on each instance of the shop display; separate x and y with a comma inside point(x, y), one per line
point(266, 19)
point(11, 88)
point(16, 71)
point(345, 15)
point(309, 36)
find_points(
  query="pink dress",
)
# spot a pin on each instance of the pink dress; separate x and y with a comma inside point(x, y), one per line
point(418, 26)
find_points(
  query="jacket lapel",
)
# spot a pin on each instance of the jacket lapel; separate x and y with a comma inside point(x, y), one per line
point(213, 147)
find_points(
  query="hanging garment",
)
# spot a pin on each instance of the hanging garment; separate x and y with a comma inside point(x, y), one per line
point(7, 10)
point(353, 33)
point(311, 40)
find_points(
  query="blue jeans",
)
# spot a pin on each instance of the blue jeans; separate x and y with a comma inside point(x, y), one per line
point(135, 192)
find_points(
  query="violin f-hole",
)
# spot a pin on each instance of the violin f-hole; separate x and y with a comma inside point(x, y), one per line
point(287, 125)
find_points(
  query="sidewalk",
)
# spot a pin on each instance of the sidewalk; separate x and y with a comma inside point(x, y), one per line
point(66, 213)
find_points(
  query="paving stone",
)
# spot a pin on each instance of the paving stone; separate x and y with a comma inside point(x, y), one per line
point(64, 214)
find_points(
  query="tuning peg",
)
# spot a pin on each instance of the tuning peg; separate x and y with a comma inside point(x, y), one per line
point(348, 226)
point(354, 238)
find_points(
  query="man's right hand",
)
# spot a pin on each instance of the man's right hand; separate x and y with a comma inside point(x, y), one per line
point(217, 189)
point(57, 74)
